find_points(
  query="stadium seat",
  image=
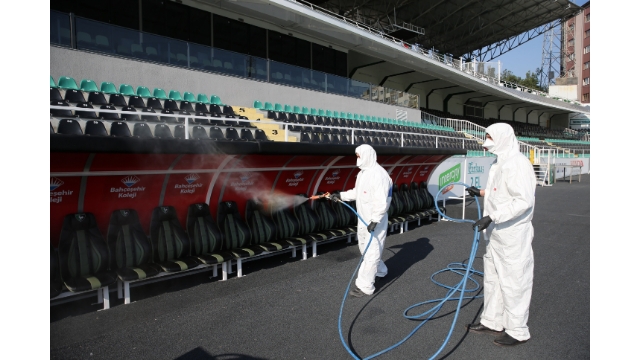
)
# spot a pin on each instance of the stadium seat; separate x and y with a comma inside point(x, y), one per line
point(97, 98)
point(82, 269)
point(74, 96)
point(175, 95)
point(162, 131)
point(143, 91)
point(154, 103)
point(170, 243)
point(246, 134)
point(171, 105)
point(263, 229)
point(207, 242)
point(160, 94)
point(86, 114)
point(120, 129)
point(108, 115)
point(130, 249)
point(261, 136)
point(152, 118)
point(202, 98)
point(216, 100)
point(95, 128)
point(108, 88)
point(52, 83)
point(137, 102)
point(142, 130)
point(117, 100)
point(133, 116)
point(232, 134)
point(236, 233)
point(59, 112)
point(54, 94)
point(178, 132)
point(127, 90)
point(257, 104)
point(168, 119)
point(69, 127)
point(199, 133)
point(67, 83)
point(88, 85)
point(328, 218)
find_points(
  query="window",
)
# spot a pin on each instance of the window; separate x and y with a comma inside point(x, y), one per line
point(586, 66)
point(572, 56)
point(571, 42)
point(587, 17)
point(587, 49)
point(585, 97)
point(585, 81)
point(586, 33)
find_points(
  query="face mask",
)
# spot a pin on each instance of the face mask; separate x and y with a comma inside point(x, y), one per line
point(359, 162)
point(488, 144)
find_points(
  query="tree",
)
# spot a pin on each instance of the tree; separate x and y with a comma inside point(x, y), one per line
point(530, 81)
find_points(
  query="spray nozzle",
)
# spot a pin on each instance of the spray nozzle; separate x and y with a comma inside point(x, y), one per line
point(316, 197)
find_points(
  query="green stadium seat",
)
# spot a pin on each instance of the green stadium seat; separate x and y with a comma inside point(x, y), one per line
point(321, 112)
point(127, 90)
point(88, 85)
point(278, 107)
point(216, 100)
point(203, 99)
point(175, 95)
point(257, 104)
point(108, 88)
point(160, 94)
point(288, 108)
point(67, 83)
point(313, 111)
point(305, 110)
point(296, 109)
point(189, 97)
point(343, 115)
point(143, 91)
point(268, 106)
point(52, 83)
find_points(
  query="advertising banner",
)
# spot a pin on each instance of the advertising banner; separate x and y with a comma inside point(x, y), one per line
point(578, 166)
point(473, 171)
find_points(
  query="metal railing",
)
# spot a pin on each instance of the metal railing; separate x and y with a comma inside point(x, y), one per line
point(457, 64)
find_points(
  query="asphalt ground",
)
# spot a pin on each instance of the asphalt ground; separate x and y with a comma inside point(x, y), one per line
point(287, 308)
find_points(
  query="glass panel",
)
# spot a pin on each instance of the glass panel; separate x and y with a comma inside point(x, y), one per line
point(337, 84)
point(318, 81)
point(230, 62)
point(257, 68)
point(278, 71)
point(359, 89)
point(377, 94)
point(59, 29)
point(392, 96)
point(201, 57)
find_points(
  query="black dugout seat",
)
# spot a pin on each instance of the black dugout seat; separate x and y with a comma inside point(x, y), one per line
point(207, 241)
point(83, 253)
point(236, 232)
point(328, 218)
point(263, 229)
point(131, 252)
point(170, 243)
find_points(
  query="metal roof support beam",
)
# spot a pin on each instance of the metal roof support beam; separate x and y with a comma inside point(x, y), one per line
point(398, 74)
point(432, 90)
point(507, 105)
point(530, 111)
point(445, 101)
point(355, 69)
point(419, 82)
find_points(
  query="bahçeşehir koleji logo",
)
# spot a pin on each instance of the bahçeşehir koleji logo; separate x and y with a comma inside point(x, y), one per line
point(191, 178)
point(55, 183)
point(297, 174)
point(129, 181)
point(335, 172)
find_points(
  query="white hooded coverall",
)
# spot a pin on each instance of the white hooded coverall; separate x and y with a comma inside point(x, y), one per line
point(373, 197)
point(508, 262)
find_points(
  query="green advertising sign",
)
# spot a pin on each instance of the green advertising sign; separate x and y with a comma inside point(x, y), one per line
point(449, 176)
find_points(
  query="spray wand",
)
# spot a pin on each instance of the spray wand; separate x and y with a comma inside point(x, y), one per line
point(317, 197)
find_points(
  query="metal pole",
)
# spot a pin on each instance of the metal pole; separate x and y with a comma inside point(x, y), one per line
point(186, 128)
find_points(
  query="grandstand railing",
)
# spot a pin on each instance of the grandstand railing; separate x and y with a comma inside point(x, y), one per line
point(130, 43)
point(457, 64)
point(185, 120)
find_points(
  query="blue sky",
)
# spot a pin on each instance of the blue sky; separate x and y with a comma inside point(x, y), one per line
point(527, 56)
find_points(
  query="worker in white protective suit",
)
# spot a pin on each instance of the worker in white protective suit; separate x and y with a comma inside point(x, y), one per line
point(509, 199)
point(373, 197)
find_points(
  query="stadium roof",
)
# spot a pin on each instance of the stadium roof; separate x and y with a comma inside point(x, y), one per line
point(456, 27)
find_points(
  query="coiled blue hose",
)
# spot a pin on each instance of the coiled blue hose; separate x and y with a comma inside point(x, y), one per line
point(459, 268)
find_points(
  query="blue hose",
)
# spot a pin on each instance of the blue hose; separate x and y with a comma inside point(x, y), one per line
point(459, 268)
